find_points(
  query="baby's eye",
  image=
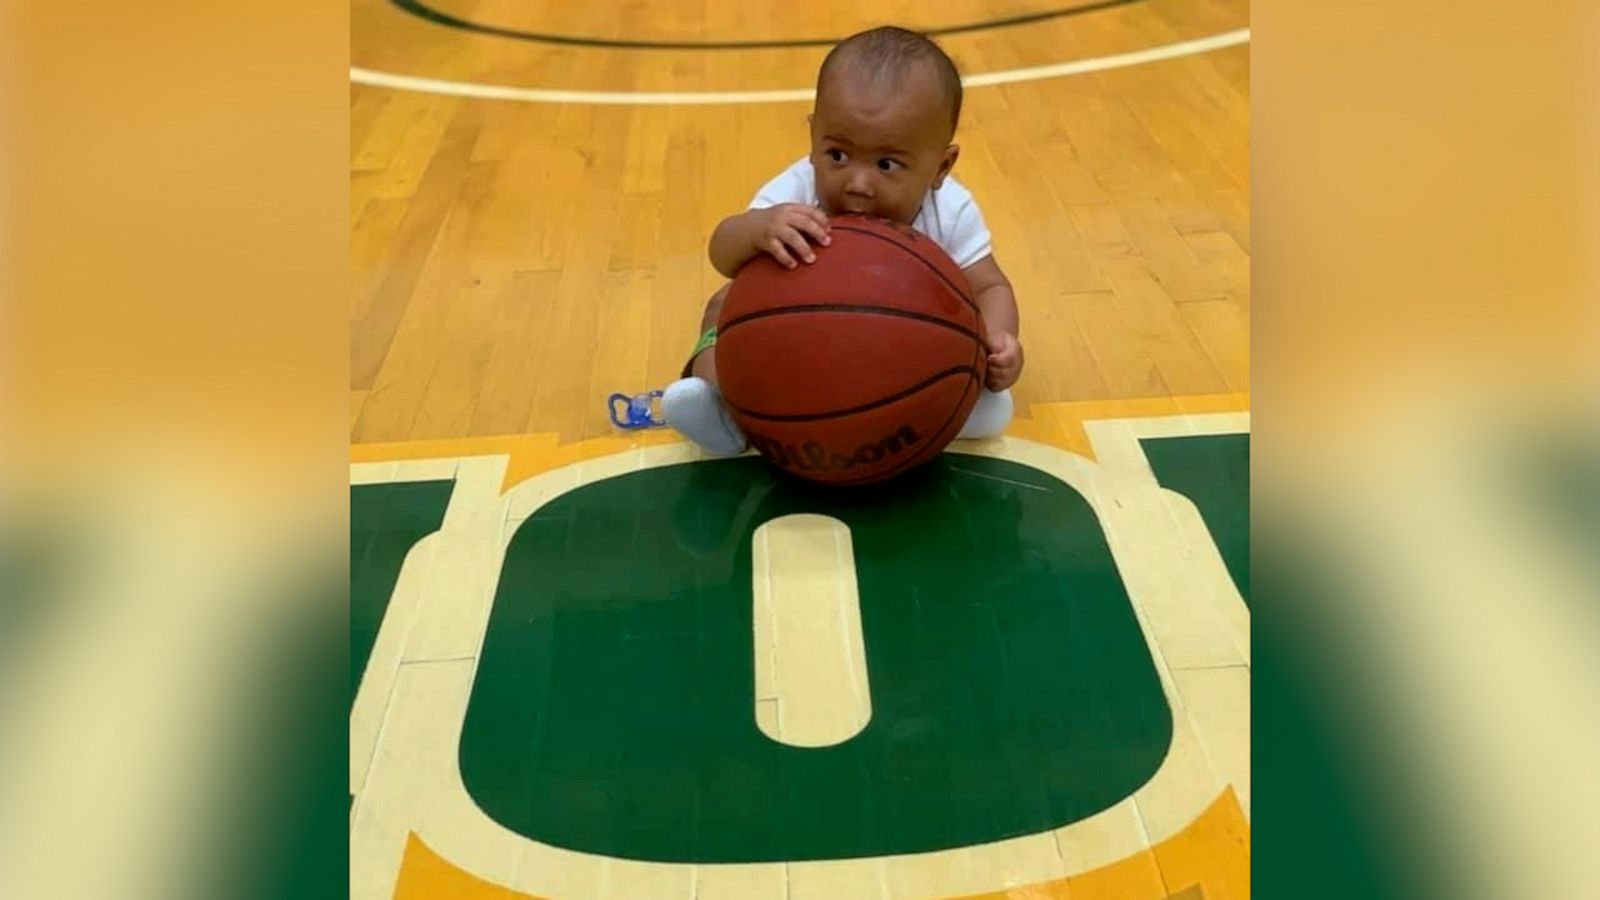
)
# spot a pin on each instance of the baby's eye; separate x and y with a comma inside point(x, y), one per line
point(835, 154)
point(888, 165)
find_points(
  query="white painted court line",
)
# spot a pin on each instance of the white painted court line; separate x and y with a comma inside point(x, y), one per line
point(373, 78)
point(811, 658)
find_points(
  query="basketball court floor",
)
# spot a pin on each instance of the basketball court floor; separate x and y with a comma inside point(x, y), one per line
point(592, 664)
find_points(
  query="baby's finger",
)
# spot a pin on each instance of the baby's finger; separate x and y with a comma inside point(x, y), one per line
point(798, 242)
point(780, 253)
point(818, 216)
point(817, 231)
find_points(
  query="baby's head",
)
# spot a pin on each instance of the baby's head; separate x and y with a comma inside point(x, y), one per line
point(887, 105)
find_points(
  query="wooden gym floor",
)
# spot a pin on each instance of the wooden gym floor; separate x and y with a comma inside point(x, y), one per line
point(532, 187)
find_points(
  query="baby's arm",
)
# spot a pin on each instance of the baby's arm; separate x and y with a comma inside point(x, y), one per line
point(998, 304)
point(779, 230)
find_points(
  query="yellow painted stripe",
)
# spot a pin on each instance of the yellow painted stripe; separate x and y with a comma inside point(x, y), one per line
point(1212, 854)
point(530, 454)
point(425, 875)
point(1059, 424)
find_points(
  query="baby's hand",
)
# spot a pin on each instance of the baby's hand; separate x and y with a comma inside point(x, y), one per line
point(1005, 360)
point(786, 227)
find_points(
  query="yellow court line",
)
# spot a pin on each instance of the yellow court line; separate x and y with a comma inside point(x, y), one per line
point(528, 454)
point(1057, 424)
point(1212, 853)
point(1062, 424)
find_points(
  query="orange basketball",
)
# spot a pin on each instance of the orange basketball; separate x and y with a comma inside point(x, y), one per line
point(856, 367)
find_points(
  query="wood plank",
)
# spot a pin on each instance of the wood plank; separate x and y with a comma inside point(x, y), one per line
point(1126, 369)
point(1151, 322)
point(510, 378)
point(358, 399)
point(397, 276)
point(1224, 331)
point(413, 351)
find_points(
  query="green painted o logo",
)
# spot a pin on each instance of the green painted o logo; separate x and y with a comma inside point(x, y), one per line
point(1012, 690)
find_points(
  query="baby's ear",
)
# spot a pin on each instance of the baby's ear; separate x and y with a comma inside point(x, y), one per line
point(946, 163)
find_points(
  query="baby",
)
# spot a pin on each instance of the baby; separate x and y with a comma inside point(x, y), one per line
point(887, 105)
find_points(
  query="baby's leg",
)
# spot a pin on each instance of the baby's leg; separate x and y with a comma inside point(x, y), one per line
point(704, 363)
point(990, 415)
point(692, 405)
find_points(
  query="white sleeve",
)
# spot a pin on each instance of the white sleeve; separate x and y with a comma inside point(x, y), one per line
point(967, 238)
point(793, 185)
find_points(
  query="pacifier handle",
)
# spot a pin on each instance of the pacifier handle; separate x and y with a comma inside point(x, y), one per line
point(627, 404)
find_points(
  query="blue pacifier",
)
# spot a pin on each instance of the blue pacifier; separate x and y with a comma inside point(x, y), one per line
point(637, 412)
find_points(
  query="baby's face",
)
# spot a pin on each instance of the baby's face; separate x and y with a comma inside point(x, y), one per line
point(878, 147)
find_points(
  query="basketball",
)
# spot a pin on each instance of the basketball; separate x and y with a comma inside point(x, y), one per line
point(859, 366)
